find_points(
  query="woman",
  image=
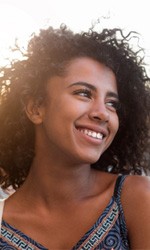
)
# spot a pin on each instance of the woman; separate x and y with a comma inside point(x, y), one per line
point(74, 118)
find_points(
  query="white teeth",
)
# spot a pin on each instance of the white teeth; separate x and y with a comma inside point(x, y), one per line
point(99, 136)
point(92, 134)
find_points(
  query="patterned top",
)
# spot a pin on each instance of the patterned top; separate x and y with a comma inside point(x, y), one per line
point(108, 233)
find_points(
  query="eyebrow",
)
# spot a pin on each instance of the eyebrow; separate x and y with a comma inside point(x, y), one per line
point(113, 94)
point(93, 88)
point(85, 84)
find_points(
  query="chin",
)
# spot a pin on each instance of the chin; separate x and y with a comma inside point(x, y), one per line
point(91, 160)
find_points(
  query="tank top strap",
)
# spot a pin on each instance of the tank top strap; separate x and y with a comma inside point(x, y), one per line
point(121, 217)
point(118, 186)
point(1, 212)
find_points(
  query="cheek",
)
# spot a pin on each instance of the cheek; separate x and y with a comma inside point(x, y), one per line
point(114, 125)
point(72, 110)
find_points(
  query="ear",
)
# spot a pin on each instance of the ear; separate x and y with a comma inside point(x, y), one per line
point(34, 111)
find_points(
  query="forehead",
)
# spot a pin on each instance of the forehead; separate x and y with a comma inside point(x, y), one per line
point(86, 64)
point(85, 69)
point(89, 70)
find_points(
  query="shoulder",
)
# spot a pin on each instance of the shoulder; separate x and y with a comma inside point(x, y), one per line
point(138, 182)
point(137, 187)
point(136, 191)
point(136, 205)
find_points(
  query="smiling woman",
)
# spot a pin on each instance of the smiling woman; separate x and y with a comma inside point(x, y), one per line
point(76, 107)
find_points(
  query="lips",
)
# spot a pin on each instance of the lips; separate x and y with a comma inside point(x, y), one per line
point(91, 133)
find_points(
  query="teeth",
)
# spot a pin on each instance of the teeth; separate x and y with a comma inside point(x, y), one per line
point(92, 134)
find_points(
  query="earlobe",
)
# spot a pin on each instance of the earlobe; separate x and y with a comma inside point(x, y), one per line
point(34, 111)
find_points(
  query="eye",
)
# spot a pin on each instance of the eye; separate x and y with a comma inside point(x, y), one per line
point(113, 105)
point(83, 92)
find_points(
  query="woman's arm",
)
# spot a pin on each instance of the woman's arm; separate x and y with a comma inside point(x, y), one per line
point(136, 205)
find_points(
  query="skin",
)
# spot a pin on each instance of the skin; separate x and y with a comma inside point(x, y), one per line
point(61, 186)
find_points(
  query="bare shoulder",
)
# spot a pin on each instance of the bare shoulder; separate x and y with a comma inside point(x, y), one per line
point(136, 205)
point(140, 182)
point(137, 187)
point(136, 192)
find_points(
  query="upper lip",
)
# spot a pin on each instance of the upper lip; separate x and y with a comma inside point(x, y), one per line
point(94, 128)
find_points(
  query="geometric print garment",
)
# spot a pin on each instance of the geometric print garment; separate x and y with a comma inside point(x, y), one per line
point(108, 233)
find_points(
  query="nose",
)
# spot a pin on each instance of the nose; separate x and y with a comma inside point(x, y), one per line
point(99, 113)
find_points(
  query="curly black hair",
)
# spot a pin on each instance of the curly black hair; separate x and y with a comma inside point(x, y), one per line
point(47, 55)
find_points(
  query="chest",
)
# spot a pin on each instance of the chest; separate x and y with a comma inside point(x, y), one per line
point(71, 232)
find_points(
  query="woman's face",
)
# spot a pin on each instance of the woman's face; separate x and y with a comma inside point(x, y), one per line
point(79, 119)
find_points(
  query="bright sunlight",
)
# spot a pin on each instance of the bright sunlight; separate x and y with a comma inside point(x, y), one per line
point(20, 18)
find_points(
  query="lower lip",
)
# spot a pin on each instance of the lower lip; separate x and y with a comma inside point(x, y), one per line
point(90, 139)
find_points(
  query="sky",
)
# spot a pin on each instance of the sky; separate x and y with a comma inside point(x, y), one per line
point(20, 18)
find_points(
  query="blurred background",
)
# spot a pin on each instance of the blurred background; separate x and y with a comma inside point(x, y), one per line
point(20, 18)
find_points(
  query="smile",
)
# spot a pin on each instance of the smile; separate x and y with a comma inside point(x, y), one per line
point(93, 134)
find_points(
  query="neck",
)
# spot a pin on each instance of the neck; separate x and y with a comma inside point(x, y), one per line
point(59, 182)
